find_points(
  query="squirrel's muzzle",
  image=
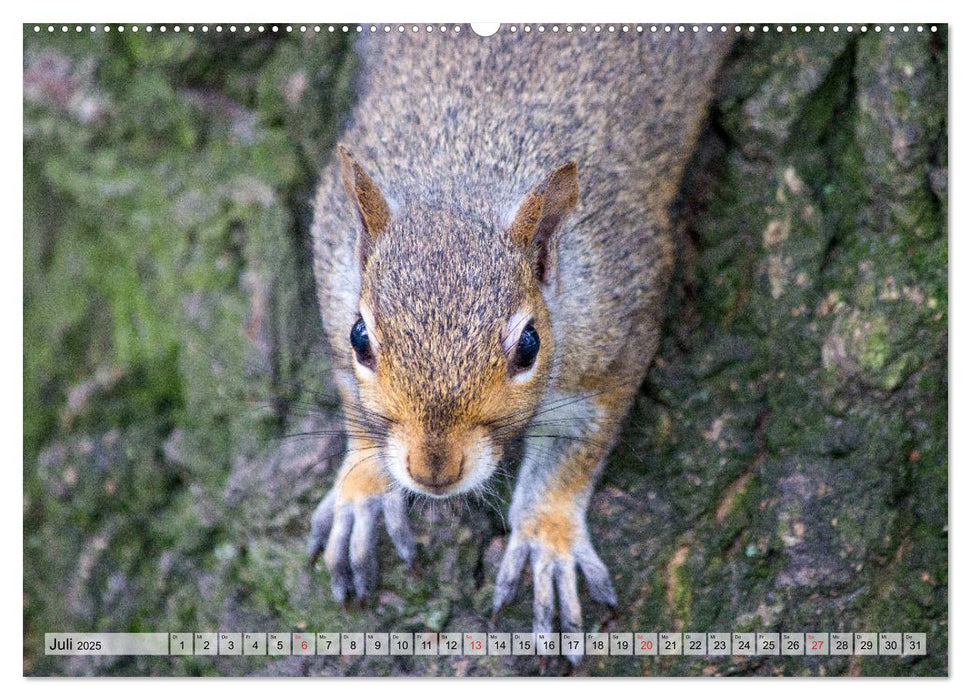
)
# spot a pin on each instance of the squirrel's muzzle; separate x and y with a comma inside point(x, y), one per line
point(436, 470)
point(443, 462)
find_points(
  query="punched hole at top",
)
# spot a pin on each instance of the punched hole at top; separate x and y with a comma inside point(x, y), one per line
point(485, 28)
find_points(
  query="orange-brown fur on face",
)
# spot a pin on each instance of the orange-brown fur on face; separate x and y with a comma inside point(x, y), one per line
point(442, 377)
point(441, 367)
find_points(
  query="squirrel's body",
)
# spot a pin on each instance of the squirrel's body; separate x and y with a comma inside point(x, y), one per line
point(458, 132)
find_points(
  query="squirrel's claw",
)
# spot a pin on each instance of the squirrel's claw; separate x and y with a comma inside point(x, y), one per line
point(345, 532)
point(596, 574)
point(399, 529)
point(363, 545)
point(336, 551)
point(553, 571)
point(510, 570)
point(320, 524)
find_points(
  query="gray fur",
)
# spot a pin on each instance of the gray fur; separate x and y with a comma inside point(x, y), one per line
point(455, 130)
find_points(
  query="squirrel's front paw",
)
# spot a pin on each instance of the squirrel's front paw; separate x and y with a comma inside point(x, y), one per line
point(344, 526)
point(556, 545)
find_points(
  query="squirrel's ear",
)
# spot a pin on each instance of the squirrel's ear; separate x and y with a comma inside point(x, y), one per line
point(540, 215)
point(371, 207)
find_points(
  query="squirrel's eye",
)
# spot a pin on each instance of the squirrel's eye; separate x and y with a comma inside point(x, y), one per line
point(361, 343)
point(527, 349)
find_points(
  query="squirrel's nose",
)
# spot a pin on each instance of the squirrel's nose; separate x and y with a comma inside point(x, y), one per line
point(434, 473)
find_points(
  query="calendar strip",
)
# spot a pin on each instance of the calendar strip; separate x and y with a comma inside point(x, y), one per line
point(487, 644)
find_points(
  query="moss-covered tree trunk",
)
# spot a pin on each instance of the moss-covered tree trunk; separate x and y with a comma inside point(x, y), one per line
point(785, 468)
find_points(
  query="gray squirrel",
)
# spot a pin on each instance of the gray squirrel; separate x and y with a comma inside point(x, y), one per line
point(492, 251)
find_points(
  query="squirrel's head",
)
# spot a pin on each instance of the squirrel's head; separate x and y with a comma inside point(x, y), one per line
point(452, 347)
